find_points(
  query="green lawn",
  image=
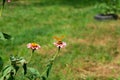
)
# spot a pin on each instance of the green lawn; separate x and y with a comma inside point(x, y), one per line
point(93, 47)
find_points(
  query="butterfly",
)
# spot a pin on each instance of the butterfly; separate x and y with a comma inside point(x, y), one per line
point(59, 39)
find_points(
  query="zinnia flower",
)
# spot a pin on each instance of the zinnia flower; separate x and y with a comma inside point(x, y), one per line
point(33, 46)
point(60, 44)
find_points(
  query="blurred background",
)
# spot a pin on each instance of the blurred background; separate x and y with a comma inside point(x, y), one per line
point(93, 47)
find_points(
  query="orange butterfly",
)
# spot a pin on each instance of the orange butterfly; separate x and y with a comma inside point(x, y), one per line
point(59, 39)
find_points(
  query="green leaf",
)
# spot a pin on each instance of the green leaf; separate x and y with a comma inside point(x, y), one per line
point(8, 72)
point(17, 60)
point(21, 60)
point(12, 58)
point(4, 36)
point(32, 74)
point(5, 69)
point(2, 78)
point(49, 66)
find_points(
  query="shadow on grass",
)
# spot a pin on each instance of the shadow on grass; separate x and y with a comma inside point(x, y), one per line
point(73, 3)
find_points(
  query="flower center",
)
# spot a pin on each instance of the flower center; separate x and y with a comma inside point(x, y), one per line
point(34, 44)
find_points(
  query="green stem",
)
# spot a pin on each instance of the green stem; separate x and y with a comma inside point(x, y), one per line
point(54, 57)
point(52, 60)
point(43, 73)
point(31, 56)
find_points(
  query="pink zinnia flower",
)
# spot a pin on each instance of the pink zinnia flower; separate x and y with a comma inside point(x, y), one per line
point(33, 46)
point(60, 44)
point(8, 0)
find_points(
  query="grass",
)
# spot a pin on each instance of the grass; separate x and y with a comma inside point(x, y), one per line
point(92, 50)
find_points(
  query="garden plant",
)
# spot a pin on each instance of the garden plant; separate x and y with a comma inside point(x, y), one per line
point(108, 9)
point(10, 71)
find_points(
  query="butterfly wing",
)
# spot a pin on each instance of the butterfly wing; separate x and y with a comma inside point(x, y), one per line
point(58, 38)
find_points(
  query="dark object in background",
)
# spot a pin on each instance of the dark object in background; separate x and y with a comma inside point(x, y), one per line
point(25, 68)
point(4, 36)
point(1, 63)
point(3, 3)
point(106, 17)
